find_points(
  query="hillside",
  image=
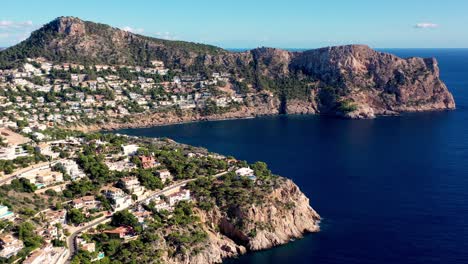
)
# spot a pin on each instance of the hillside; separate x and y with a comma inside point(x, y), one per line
point(73, 40)
point(351, 81)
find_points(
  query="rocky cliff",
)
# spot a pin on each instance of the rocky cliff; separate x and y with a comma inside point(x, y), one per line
point(285, 214)
point(375, 82)
point(352, 81)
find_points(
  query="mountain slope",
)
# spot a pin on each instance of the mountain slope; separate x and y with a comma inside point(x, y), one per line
point(74, 40)
point(352, 81)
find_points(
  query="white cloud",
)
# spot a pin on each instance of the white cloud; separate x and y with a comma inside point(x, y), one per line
point(426, 25)
point(12, 32)
point(133, 30)
point(8, 24)
point(164, 35)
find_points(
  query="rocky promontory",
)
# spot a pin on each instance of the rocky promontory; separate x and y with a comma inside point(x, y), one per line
point(374, 83)
point(284, 213)
point(352, 81)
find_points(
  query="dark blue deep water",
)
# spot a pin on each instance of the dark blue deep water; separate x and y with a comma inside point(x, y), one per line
point(390, 190)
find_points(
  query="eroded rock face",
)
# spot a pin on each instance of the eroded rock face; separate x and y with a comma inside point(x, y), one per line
point(286, 214)
point(217, 248)
point(378, 83)
point(285, 223)
point(71, 26)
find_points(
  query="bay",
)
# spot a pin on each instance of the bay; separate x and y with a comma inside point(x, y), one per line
point(390, 190)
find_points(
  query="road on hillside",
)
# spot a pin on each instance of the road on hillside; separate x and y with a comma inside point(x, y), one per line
point(17, 173)
point(71, 242)
point(71, 239)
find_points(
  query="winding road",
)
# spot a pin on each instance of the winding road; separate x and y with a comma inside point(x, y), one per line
point(71, 240)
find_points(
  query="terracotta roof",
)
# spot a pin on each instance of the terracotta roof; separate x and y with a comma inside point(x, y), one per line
point(119, 230)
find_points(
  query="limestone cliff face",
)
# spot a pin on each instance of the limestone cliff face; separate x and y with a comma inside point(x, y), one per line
point(285, 215)
point(377, 83)
point(217, 248)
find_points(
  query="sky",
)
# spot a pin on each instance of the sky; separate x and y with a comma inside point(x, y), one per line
point(255, 23)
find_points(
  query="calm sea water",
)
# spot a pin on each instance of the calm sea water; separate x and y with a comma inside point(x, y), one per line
point(390, 190)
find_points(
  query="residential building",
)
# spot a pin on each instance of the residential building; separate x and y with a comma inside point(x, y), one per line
point(162, 205)
point(46, 150)
point(165, 175)
point(142, 215)
point(9, 245)
point(112, 192)
point(132, 184)
point(55, 217)
point(121, 203)
point(72, 169)
point(244, 172)
point(49, 178)
point(130, 150)
point(87, 202)
point(84, 245)
point(149, 162)
point(47, 254)
point(37, 257)
point(120, 165)
point(12, 152)
point(183, 195)
point(118, 197)
point(120, 232)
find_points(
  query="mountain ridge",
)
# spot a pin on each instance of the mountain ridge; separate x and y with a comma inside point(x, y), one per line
point(353, 81)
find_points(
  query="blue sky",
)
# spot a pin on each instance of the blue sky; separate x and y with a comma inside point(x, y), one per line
point(253, 23)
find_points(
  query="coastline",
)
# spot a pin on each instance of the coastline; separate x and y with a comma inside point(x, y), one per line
point(258, 107)
point(162, 119)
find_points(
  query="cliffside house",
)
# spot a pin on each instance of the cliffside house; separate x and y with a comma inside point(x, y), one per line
point(123, 232)
point(132, 184)
point(83, 245)
point(118, 198)
point(164, 175)
point(149, 162)
point(87, 202)
point(72, 169)
point(130, 150)
point(112, 192)
point(9, 245)
point(56, 217)
point(183, 195)
point(246, 172)
point(48, 177)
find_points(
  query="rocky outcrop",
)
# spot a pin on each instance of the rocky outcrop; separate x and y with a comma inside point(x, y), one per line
point(217, 248)
point(378, 83)
point(285, 214)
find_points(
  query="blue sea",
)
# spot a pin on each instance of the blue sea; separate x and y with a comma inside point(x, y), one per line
point(390, 190)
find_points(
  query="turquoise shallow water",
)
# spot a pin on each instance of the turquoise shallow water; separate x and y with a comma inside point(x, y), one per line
point(390, 190)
